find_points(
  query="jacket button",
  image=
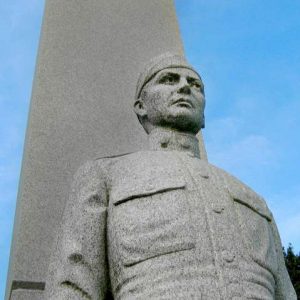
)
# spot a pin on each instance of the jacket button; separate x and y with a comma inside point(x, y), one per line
point(75, 258)
point(228, 257)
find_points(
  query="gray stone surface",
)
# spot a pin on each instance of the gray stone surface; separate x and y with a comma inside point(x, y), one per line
point(24, 294)
point(89, 56)
point(163, 223)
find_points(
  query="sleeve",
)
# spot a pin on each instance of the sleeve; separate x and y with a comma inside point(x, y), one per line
point(284, 288)
point(79, 268)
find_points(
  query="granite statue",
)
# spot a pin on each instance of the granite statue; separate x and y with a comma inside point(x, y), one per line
point(164, 223)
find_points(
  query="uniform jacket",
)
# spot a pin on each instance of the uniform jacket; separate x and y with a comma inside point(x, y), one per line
point(164, 224)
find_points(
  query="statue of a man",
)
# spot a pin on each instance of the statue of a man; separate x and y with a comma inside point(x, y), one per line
point(163, 223)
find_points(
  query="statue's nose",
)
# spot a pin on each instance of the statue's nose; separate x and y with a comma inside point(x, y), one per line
point(185, 90)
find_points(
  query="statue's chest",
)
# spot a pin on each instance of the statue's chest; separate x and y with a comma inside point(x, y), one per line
point(159, 206)
point(174, 204)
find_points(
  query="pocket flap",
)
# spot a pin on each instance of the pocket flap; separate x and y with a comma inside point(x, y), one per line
point(253, 201)
point(144, 187)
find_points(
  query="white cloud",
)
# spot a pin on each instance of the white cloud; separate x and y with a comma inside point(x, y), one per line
point(246, 152)
point(229, 146)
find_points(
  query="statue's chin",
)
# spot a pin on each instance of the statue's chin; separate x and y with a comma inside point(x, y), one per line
point(182, 122)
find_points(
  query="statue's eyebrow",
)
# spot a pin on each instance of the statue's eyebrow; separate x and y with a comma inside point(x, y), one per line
point(194, 79)
point(168, 73)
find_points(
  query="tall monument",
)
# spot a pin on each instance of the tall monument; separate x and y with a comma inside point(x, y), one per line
point(140, 220)
point(89, 55)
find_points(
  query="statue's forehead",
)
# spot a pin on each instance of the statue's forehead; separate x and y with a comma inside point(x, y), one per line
point(160, 64)
point(182, 71)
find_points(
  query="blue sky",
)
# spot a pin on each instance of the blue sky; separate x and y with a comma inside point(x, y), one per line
point(248, 53)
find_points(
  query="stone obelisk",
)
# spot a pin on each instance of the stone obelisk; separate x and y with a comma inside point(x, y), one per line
point(89, 58)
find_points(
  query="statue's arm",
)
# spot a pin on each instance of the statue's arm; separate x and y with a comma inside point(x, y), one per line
point(79, 268)
point(284, 287)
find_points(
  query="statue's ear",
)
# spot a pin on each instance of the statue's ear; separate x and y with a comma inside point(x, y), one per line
point(139, 108)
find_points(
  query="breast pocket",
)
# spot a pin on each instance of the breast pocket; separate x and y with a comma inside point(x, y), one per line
point(152, 219)
point(255, 223)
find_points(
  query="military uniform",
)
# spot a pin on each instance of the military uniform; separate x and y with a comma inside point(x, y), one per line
point(164, 224)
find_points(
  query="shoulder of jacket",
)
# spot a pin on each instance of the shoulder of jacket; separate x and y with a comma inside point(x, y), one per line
point(229, 179)
point(101, 165)
point(98, 163)
point(93, 168)
point(111, 157)
point(236, 187)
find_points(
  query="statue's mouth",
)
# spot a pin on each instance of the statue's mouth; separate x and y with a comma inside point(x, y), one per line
point(182, 102)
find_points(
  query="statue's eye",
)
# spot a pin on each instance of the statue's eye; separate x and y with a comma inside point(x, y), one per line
point(168, 79)
point(197, 85)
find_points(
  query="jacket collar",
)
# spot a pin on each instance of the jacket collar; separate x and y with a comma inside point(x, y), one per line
point(170, 140)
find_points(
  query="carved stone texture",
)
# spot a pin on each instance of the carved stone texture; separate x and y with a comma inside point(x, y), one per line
point(26, 290)
point(86, 71)
point(26, 295)
point(163, 223)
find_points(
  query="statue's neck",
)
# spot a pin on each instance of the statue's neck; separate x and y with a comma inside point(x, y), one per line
point(171, 140)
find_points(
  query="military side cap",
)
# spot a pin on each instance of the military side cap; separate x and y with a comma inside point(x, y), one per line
point(164, 61)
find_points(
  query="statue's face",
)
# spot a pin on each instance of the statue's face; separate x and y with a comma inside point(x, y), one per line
point(174, 98)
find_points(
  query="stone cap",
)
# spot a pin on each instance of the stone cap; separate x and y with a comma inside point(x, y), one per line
point(158, 63)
